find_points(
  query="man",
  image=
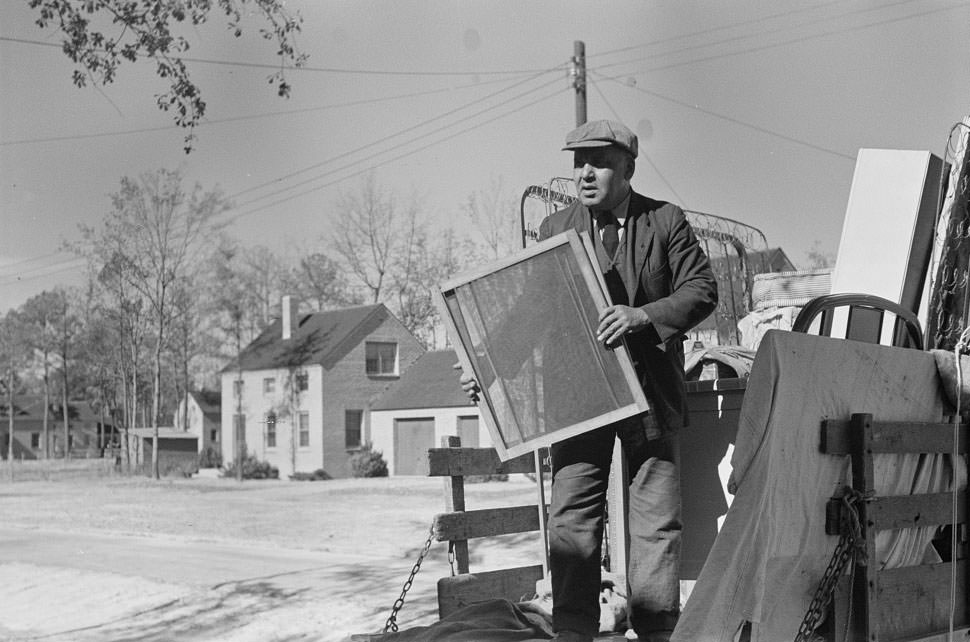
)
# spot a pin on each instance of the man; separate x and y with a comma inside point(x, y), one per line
point(661, 285)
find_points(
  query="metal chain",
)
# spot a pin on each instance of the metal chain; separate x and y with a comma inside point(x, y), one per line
point(849, 545)
point(391, 624)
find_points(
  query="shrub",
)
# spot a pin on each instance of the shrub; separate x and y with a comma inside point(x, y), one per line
point(210, 457)
point(318, 475)
point(252, 468)
point(368, 462)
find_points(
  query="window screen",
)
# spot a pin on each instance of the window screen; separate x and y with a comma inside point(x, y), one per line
point(527, 330)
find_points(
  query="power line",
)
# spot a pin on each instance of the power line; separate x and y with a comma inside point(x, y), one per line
point(306, 68)
point(42, 271)
point(704, 32)
point(399, 157)
point(729, 119)
point(645, 155)
point(231, 119)
point(720, 56)
point(6, 266)
point(396, 134)
point(409, 142)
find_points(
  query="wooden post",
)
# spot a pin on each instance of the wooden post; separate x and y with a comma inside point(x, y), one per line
point(455, 501)
point(866, 587)
point(541, 501)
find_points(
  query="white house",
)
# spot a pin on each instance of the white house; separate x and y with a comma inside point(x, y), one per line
point(204, 417)
point(300, 394)
point(417, 411)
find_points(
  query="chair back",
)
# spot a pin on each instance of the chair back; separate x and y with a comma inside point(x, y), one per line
point(866, 317)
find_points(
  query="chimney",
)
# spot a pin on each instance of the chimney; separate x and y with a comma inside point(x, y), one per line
point(290, 310)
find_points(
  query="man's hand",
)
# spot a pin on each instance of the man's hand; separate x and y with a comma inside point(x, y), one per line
point(619, 320)
point(469, 385)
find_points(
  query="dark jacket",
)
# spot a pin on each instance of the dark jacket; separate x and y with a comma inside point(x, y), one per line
point(669, 277)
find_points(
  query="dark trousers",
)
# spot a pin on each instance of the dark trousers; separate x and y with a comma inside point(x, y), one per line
point(581, 468)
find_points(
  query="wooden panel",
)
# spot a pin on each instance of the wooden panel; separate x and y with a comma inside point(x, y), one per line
point(895, 437)
point(914, 600)
point(907, 511)
point(887, 231)
point(451, 462)
point(486, 523)
point(514, 584)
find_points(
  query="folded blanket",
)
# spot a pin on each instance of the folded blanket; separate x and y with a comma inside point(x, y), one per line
point(488, 621)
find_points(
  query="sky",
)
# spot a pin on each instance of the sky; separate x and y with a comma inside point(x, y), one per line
point(752, 111)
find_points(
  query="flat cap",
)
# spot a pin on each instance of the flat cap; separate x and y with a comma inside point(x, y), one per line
point(602, 133)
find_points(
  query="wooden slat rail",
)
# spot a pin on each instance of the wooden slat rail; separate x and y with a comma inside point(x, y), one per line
point(909, 603)
point(485, 523)
point(459, 525)
point(897, 437)
point(456, 461)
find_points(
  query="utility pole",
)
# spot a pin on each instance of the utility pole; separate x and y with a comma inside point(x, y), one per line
point(578, 72)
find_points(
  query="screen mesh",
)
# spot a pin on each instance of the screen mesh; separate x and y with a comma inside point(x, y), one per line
point(530, 332)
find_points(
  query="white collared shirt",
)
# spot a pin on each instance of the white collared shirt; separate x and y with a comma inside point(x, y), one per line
point(619, 212)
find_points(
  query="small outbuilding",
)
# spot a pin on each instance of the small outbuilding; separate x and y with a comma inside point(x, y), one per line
point(426, 404)
point(178, 451)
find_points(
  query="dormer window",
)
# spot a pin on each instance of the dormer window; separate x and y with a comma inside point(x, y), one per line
point(381, 358)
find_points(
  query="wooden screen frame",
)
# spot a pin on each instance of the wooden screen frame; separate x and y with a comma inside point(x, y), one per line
point(583, 252)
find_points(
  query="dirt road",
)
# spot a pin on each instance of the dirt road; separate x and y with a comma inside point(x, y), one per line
point(215, 561)
point(83, 586)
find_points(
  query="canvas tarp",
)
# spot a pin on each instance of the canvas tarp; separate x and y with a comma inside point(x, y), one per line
point(772, 549)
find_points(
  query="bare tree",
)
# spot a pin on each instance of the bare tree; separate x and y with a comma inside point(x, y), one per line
point(14, 354)
point(154, 231)
point(318, 280)
point(494, 212)
point(66, 327)
point(264, 274)
point(368, 235)
point(39, 315)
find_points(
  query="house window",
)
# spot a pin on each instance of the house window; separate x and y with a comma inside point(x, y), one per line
point(302, 381)
point(304, 429)
point(269, 385)
point(239, 427)
point(237, 387)
point(35, 440)
point(214, 434)
point(271, 430)
point(381, 357)
point(353, 421)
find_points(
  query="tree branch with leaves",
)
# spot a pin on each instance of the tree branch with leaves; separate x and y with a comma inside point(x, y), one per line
point(101, 35)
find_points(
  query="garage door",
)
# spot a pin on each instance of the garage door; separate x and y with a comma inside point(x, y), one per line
point(412, 439)
point(468, 431)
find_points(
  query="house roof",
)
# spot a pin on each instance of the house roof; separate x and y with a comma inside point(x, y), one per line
point(164, 432)
point(31, 406)
point(209, 402)
point(319, 338)
point(430, 382)
point(772, 259)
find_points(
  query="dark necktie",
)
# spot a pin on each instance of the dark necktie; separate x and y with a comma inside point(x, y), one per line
point(611, 232)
